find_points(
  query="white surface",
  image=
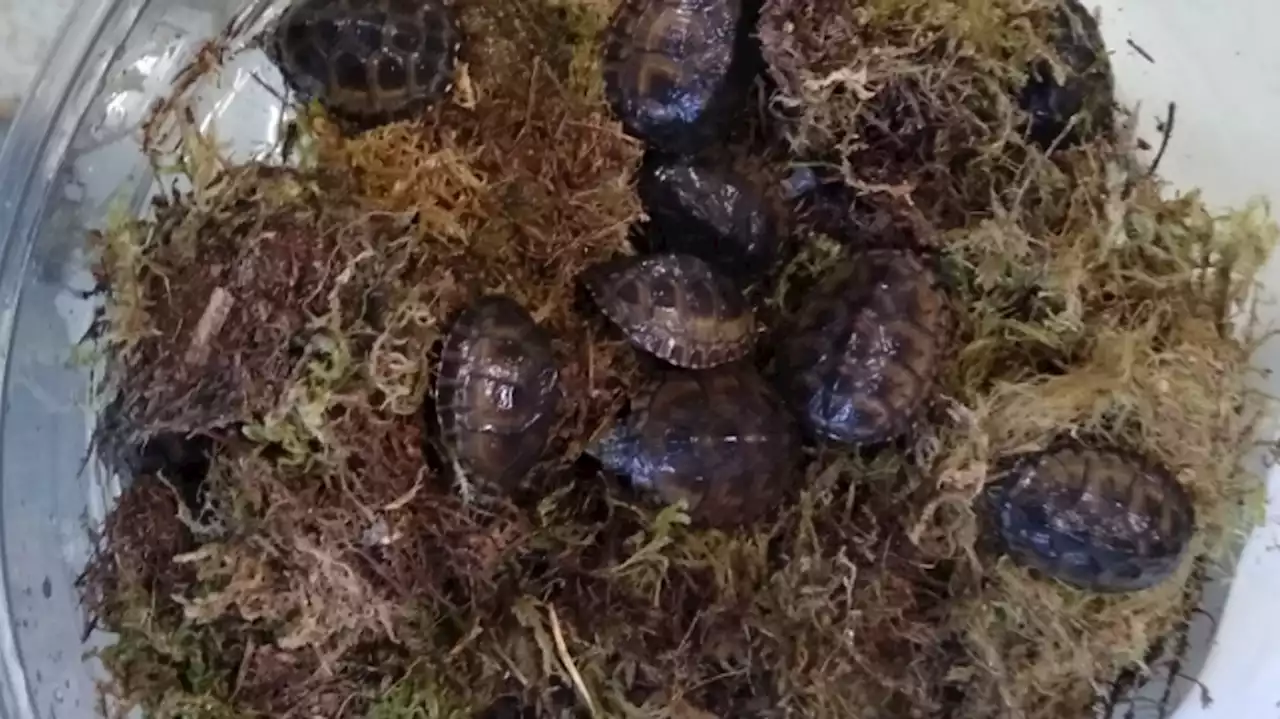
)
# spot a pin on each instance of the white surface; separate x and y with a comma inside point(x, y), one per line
point(1220, 63)
point(27, 29)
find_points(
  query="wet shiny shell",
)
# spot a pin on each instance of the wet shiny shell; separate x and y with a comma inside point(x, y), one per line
point(712, 214)
point(720, 439)
point(864, 351)
point(675, 307)
point(670, 72)
point(1086, 91)
point(1098, 519)
point(497, 392)
point(369, 59)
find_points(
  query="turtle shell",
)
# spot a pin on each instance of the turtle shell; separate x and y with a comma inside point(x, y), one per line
point(674, 70)
point(721, 439)
point(863, 353)
point(1086, 89)
point(497, 393)
point(712, 214)
point(1099, 519)
point(369, 60)
point(675, 307)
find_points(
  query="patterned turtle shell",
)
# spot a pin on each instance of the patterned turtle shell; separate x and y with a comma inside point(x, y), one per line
point(864, 352)
point(713, 214)
point(497, 392)
point(369, 61)
point(1097, 518)
point(675, 70)
point(720, 439)
point(675, 307)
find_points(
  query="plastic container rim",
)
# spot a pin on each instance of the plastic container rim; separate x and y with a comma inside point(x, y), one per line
point(86, 45)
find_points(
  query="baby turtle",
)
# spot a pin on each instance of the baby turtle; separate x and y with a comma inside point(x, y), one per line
point(497, 393)
point(674, 70)
point(369, 61)
point(675, 307)
point(1099, 519)
point(720, 439)
point(1085, 91)
point(713, 215)
point(864, 352)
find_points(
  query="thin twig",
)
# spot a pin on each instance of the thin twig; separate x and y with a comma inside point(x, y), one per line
point(1138, 49)
point(1213, 621)
point(404, 499)
point(1206, 699)
point(215, 315)
point(1167, 132)
point(569, 666)
point(249, 650)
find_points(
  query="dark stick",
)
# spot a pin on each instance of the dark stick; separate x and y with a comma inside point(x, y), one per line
point(1167, 132)
point(1138, 49)
point(1206, 699)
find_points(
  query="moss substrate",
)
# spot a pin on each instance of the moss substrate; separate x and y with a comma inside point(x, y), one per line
point(327, 567)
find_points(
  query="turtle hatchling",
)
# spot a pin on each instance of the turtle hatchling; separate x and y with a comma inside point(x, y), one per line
point(712, 214)
point(1097, 518)
point(676, 307)
point(674, 71)
point(720, 439)
point(865, 349)
point(497, 393)
point(1080, 90)
point(369, 61)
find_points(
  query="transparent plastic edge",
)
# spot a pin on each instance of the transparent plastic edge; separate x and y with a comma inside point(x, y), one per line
point(33, 153)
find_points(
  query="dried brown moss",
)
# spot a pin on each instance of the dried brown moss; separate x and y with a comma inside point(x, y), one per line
point(911, 105)
point(331, 568)
point(223, 285)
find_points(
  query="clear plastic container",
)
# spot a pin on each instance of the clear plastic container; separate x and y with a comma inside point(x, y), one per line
point(73, 153)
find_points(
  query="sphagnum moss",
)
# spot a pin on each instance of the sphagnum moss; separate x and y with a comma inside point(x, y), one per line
point(327, 568)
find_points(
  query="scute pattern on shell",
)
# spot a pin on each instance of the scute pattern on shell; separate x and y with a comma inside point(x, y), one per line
point(675, 307)
point(720, 439)
point(1096, 518)
point(374, 60)
point(497, 392)
point(712, 214)
point(670, 72)
point(864, 352)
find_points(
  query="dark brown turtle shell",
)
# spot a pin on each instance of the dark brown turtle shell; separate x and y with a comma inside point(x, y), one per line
point(369, 60)
point(675, 71)
point(713, 214)
point(721, 439)
point(864, 351)
point(1097, 518)
point(675, 307)
point(497, 392)
point(1082, 87)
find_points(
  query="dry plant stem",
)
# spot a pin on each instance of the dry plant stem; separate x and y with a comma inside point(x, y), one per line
point(567, 659)
point(1166, 132)
point(215, 315)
